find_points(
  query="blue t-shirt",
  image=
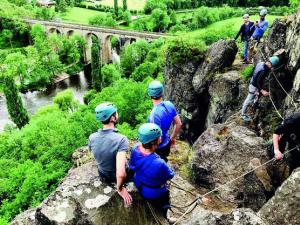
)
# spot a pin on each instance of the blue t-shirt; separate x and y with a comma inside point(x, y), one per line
point(150, 173)
point(163, 115)
point(260, 30)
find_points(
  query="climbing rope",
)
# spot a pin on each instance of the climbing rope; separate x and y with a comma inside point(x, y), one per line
point(156, 218)
point(198, 200)
point(277, 80)
point(273, 103)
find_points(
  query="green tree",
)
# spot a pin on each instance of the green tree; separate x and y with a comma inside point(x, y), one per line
point(124, 5)
point(110, 74)
point(96, 65)
point(295, 3)
point(65, 101)
point(116, 8)
point(7, 35)
point(133, 55)
point(17, 112)
point(103, 20)
point(160, 20)
point(126, 15)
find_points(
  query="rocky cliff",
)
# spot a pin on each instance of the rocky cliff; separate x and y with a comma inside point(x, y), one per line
point(208, 92)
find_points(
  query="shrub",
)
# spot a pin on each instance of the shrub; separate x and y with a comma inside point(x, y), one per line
point(65, 101)
point(103, 20)
point(247, 72)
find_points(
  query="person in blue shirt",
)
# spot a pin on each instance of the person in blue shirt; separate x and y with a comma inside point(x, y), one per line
point(163, 114)
point(246, 32)
point(151, 173)
point(260, 29)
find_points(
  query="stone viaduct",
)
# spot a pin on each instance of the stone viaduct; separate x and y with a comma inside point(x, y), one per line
point(103, 34)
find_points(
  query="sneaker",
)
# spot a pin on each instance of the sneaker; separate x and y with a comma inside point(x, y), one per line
point(246, 118)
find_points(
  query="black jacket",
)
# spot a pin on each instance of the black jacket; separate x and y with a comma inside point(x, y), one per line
point(246, 33)
point(260, 76)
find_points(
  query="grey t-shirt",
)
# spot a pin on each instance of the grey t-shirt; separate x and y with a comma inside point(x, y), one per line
point(105, 144)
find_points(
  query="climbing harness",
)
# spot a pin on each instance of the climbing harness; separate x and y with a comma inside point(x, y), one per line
point(198, 200)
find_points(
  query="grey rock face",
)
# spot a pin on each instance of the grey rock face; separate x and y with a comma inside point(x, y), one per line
point(187, 85)
point(219, 56)
point(284, 207)
point(227, 93)
point(83, 199)
point(226, 151)
point(236, 217)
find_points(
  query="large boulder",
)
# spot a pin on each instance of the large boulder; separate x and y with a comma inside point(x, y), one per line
point(219, 56)
point(284, 207)
point(227, 93)
point(187, 84)
point(83, 199)
point(226, 151)
point(236, 217)
point(179, 90)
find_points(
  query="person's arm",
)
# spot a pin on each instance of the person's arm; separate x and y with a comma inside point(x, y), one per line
point(166, 172)
point(238, 34)
point(177, 127)
point(121, 178)
point(278, 154)
point(261, 77)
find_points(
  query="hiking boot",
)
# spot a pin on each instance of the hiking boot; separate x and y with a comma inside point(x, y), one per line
point(249, 62)
point(246, 118)
point(243, 60)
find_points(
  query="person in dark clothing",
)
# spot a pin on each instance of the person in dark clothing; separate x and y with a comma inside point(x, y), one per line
point(258, 84)
point(246, 32)
point(287, 134)
point(151, 173)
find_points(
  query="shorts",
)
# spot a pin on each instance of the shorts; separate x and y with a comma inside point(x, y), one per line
point(164, 152)
point(162, 204)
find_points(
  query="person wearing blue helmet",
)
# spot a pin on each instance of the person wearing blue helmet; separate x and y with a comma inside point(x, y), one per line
point(163, 114)
point(109, 149)
point(259, 30)
point(151, 173)
point(258, 84)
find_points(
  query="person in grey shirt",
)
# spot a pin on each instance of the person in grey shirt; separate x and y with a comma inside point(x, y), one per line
point(109, 149)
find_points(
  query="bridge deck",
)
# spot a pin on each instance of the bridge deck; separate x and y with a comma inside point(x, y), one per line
point(117, 31)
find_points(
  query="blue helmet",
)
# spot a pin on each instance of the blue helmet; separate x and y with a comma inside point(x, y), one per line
point(155, 89)
point(149, 132)
point(104, 111)
point(274, 60)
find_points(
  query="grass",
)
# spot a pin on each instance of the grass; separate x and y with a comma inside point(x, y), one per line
point(131, 4)
point(226, 29)
point(79, 15)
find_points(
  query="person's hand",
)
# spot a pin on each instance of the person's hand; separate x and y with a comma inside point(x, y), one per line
point(264, 93)
point(278, 155)
point(126, 196)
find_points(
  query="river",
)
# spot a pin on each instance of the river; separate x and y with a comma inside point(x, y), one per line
point(79, 84)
